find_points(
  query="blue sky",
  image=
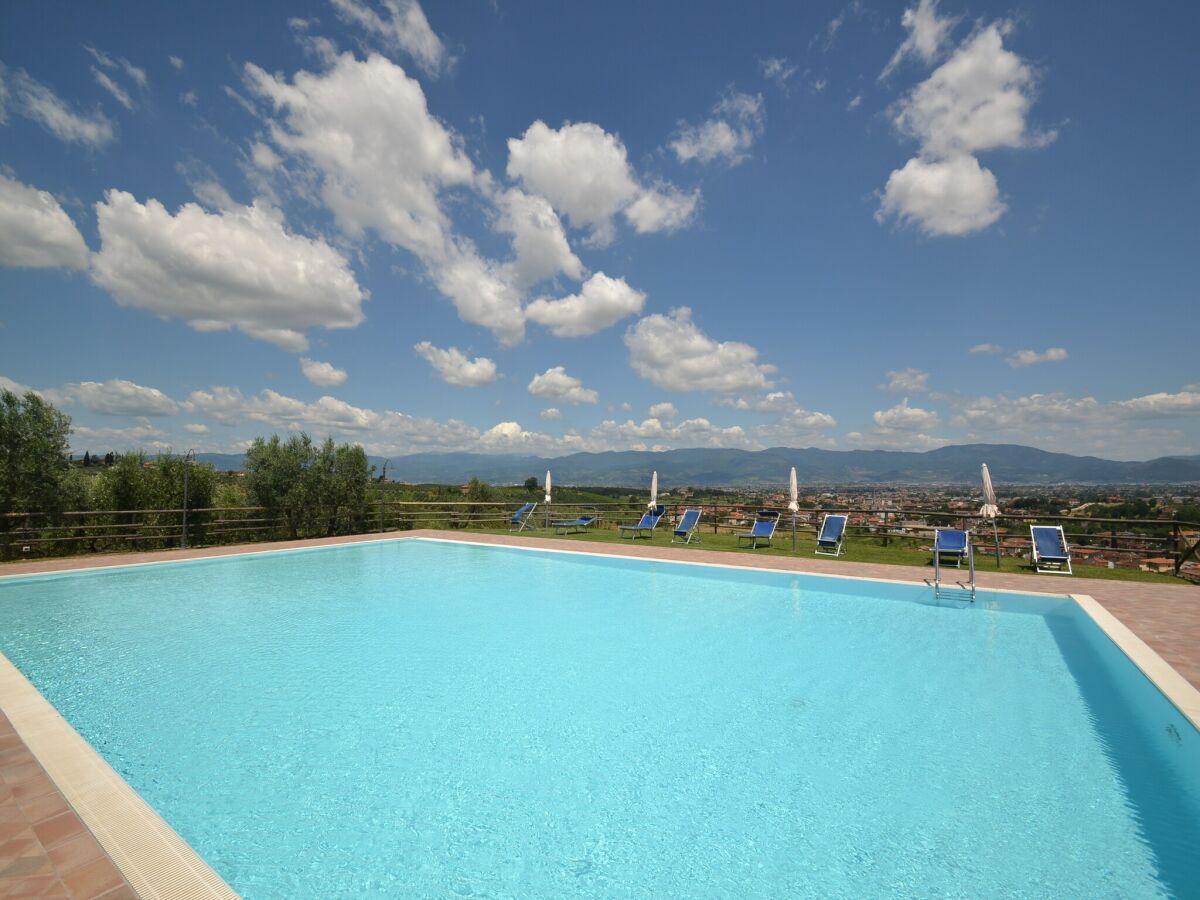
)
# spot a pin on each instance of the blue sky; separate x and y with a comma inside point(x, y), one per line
point(507, 227)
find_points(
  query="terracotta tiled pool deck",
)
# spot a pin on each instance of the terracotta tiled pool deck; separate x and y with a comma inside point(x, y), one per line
point(48, 850)
point(45, 849)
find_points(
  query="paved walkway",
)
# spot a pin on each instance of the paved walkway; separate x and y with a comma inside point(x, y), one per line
point(45, 849)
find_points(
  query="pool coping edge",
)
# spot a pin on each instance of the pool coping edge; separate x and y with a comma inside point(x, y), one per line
point(1177, 689)
point(155, 860)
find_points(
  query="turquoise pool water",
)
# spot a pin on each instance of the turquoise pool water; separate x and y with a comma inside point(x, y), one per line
point(415, 718)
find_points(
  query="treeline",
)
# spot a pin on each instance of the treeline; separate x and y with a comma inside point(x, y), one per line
point(305, 489)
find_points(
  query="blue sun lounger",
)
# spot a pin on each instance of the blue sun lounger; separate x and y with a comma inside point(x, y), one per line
point(1051, 553)
point(833, 530)
point(647, 524)
point(522, 517)
point(763, 530)
point(583, 523)
point(952, 544)
point(686, 527)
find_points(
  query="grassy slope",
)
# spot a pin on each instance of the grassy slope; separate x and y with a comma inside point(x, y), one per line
point(862, 550)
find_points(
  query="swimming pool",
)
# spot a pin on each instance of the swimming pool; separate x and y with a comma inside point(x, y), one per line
point(420, 718)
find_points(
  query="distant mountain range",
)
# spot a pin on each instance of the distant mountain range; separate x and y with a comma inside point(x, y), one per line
point(1009, 463)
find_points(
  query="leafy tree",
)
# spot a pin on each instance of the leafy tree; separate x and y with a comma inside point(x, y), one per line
point(275, 479)
point(479, 491)
point(87, 458)
point(531, 484)
point(33, 455)
point(338, 478)
point(307, 484)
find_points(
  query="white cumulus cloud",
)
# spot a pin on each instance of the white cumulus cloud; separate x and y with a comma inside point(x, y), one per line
point(116, 397)
point(454, 367)
point(239, 268)
point(673, 353)
point(1032, 357)
point(737, 121)
point(322, 373)
point(556, 384)
point(383, 162)
point(538, 238)
point(906, 381)
point(954, 196)
point(977, 100)
point(663, 410)
point(585, 173)
point(399, 25)
point(601, 302)
point(903, 417)
point(927, 33)
point(35, 231)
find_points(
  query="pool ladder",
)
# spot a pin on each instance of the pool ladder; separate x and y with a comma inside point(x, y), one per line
point(940, 590)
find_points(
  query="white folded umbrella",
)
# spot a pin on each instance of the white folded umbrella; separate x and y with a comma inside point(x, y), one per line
point(653, 491)
point(547, 485)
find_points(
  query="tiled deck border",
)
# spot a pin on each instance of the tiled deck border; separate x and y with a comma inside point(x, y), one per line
point(159, 864)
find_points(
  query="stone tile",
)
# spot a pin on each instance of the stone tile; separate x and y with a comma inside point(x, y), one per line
point(125, 892)
point(33, 886)
point(53, 831)
point(15, 774)
point(44, 807)
point(75, 853)
point(94, 879)
point(32, 788)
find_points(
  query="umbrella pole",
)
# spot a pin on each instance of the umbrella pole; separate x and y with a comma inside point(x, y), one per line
point(793, 532)
point(996, 537)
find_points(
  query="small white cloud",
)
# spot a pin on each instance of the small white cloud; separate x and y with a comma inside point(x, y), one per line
point(38, 102)
point(906, 381)
point(557, 384)
point(454, 367)
point(118, 64)
point(903, 417)
point(953, 196)
point(663, 411)
point(401, 26)
point(118, 93)
point(1032, 357)
point(855, 102)
point(195, 428)
point(600, 303)
point(188, 98)
point(777, 69)
point(775, 401)
point(673, 353)
point(264, 157)
point(737, 121)
point(176, 63)
point(663, 207)
point(35, 231)
point(322, 373)
point(927, 33)
point(986, 348)
point(551, 414)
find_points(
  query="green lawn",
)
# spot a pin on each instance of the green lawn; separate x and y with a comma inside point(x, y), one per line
point(900, 552)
